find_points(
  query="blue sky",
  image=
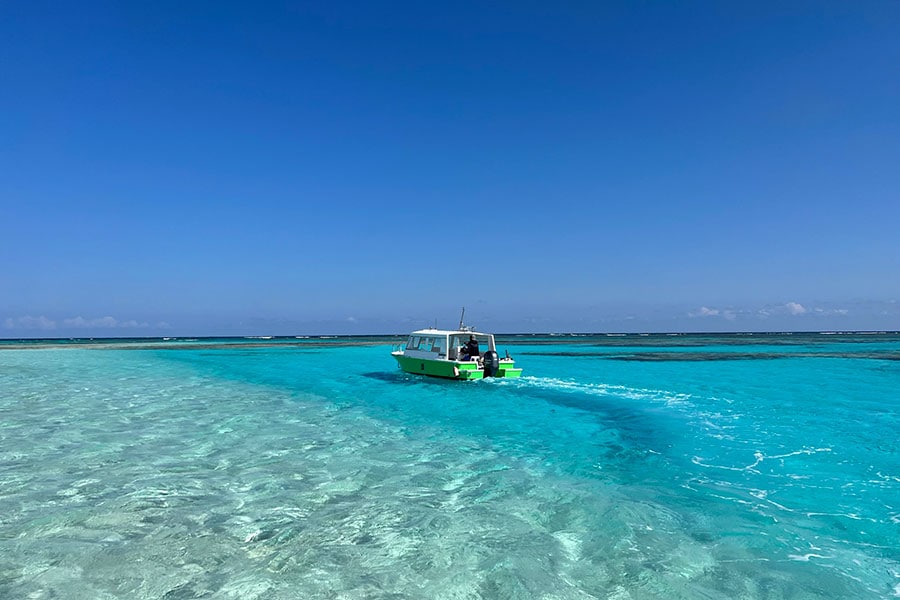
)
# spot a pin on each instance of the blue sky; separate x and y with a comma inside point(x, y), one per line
point(286, 168)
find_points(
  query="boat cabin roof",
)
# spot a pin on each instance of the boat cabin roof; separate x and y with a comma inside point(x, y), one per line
point(444, 332)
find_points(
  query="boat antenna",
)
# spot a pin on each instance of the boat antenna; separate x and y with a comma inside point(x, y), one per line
point(462, 327)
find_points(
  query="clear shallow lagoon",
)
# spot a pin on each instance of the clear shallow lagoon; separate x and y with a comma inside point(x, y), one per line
point(764, 466)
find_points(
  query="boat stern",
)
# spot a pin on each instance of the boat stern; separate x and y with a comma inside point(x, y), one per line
point(508, 368)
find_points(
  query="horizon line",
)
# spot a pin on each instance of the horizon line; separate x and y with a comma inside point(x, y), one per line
point(399, 334)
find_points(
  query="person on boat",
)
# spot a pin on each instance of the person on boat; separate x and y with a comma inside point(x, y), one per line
point(471, 350)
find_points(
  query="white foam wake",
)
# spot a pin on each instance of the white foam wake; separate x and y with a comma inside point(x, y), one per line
point(601, 389)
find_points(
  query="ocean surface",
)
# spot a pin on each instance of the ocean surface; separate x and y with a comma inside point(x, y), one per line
point(617, 467)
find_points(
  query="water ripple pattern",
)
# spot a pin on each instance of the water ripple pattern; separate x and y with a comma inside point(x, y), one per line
point(304, 469)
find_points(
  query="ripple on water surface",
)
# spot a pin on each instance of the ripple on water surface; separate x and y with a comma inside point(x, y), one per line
point(123, 474)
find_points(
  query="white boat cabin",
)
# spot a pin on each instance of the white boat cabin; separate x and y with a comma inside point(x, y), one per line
point(445, 345)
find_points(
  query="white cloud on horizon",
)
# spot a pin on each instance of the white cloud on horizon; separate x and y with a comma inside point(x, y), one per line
point(79, 322)
point(29, 322)
point(831, 311)
point(795, 308)
point(705, 311)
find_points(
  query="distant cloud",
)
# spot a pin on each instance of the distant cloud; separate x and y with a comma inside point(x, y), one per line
point(79, 322)
point(705, 311)
point(831, 311)
point(776, 310)
point(795, 308)
point(104, 323)
point(29, 322)
point(788, 308)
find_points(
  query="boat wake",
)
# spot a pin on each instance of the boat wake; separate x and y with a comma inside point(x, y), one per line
point(666, 397)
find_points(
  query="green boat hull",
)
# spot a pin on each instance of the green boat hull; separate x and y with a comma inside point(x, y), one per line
point(449, 369)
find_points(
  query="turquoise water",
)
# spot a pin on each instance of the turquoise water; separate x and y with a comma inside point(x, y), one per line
point(763, 466)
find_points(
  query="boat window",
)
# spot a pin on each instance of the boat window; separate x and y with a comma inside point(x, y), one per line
point(438, 346)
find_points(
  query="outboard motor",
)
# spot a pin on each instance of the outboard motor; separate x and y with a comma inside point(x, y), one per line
point(491, 363)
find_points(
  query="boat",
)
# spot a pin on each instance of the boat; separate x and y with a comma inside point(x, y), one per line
point(448, 354)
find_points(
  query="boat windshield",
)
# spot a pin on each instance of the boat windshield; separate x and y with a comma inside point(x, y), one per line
point(427, 343)
point(458, 342)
